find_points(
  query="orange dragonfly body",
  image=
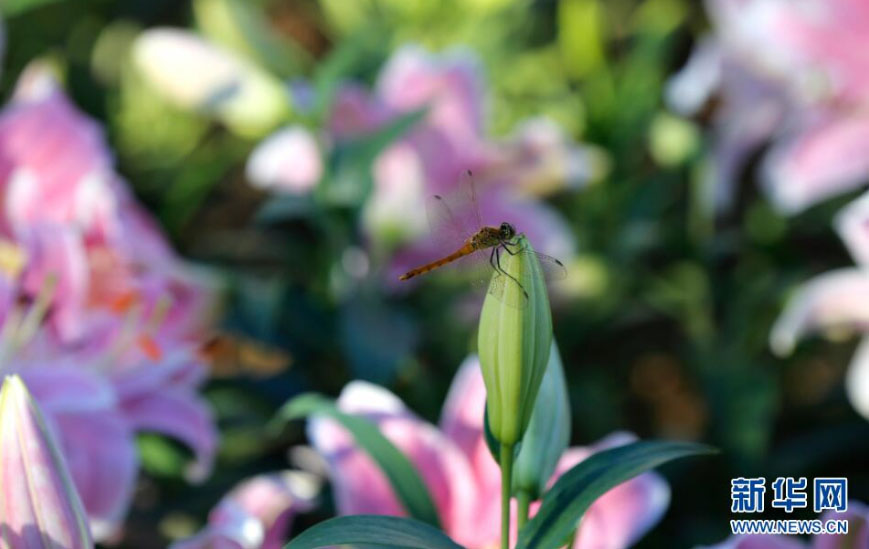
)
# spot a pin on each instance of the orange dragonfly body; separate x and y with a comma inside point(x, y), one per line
point(485, 238)
point(461, 218)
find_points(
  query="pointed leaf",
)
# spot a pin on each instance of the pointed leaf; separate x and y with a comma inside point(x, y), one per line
point(352, 161)
point(401, 473)
point(574, 492)
point(373, 530)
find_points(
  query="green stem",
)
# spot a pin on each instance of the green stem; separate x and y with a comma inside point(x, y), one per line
point(506, 485)
point(523, 498)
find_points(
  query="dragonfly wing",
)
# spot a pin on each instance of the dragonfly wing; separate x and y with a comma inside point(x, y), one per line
point(507, 291)
point(511, 292)
point(553, 269)
point(447, 229)
point(468, 187)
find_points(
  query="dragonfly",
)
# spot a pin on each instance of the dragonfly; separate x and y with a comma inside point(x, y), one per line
point(456, 224)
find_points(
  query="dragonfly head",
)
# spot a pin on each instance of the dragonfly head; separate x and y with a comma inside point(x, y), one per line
point(507, 231)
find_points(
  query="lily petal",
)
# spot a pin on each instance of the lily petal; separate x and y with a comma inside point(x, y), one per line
point(624, 514)
point(857, 516)
point(68, 389)
point(836, 299)
point(857, 379)
point(104, 463)
point(414, 78)
point(822, 160)
point(289, 160)
point(759, 542)
point(178, 413)
point(39, 505)
point(462, 420)
point(360, 486)
point(852, 224)
point(256, 514)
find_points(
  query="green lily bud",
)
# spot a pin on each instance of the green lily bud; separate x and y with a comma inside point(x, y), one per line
point(514, 341)
point(548, 433)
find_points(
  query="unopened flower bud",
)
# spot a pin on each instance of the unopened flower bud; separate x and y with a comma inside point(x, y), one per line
point(514, 341)
point(548, 432)
point(39, 505)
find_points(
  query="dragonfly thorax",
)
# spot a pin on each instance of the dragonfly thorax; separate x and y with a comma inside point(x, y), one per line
point(489, 237)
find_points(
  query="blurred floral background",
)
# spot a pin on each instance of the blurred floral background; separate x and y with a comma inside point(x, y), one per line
point(205, 207)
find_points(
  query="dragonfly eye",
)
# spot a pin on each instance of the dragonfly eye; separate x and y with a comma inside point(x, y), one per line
point(507, 231)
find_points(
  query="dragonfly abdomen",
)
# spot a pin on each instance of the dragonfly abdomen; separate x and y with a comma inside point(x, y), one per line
point(467, 249)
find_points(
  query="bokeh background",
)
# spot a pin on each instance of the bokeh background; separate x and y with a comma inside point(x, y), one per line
point(567, 113)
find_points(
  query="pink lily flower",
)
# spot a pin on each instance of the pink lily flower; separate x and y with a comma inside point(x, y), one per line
point(289, 160)
point(70, 213)
point(110, 346)
point(793, 73)
point(39, 505)
point(857, 536)
point(257, 513)
point(462, 477)
point(433, 157)
point(98, 397)
point(836, 301)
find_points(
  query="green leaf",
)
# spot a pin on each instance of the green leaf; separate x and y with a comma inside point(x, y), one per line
point(332, 71)
point(402, 474)
point(350, 181)
point(285, 207)
point(573, 493)
point(17, 7)
point(373, 530)
point(242, 26)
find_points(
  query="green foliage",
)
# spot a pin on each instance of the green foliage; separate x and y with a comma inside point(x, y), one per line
point(12, 8)
point(350, 182)
point(373, 530)
point(574, 491)
point(404, 478)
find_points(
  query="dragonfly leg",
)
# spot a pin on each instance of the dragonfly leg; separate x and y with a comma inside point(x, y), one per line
point(496, 255)
point(506, 245)
point(493, 263)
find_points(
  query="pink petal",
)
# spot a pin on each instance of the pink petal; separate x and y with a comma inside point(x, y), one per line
point(178, 369)
point(399, 195)
point(354, 112)
point(56, 165)
point(624, 514)
point(60, 389)
point(289, 160)
point(759, 542)
point(830, 37)
point(540, 159)
point(257, 512)
point(358, 483)
point(38, 501)
point(274, 499)
point(852, 224)
point(181, 414)
point(462, 422)
point(832, 300)
point(857, 379)
point(413, 78)
point(857, 516)
point(822, 160)
point(103, 460)
point(692, 87)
